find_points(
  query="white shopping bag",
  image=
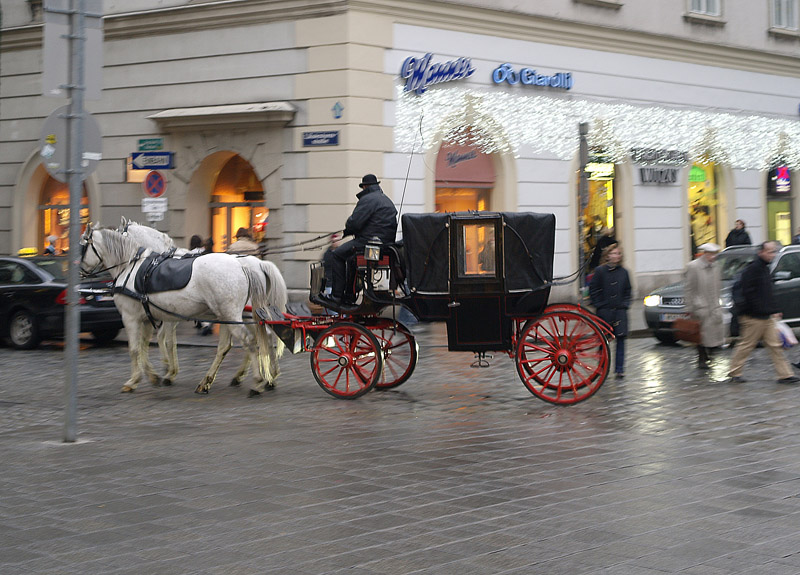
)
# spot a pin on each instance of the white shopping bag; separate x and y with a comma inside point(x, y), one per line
point(786, 334)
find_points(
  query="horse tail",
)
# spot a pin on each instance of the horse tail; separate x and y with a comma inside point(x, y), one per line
point(278, 295)
point(259, 300)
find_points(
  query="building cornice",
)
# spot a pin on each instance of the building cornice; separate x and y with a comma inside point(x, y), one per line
point(450, 15)
point(444, 14)
point(225, 117)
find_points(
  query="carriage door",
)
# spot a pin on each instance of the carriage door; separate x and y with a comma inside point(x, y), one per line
point(477, 319)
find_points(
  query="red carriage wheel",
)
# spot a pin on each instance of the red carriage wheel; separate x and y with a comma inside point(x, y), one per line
point(562, 357)
point(346, 360)
point(400, 351)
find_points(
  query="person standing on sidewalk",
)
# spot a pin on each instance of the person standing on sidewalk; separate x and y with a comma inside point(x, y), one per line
point(738, 236)
point(610, 293)
point(757, 317)
point(703, 285)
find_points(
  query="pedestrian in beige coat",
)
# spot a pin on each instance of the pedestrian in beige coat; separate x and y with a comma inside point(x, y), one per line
point(702, 301)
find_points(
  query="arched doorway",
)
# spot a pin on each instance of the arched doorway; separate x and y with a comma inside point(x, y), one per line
point(465, 179)
point(54, 215)
point(236, 201)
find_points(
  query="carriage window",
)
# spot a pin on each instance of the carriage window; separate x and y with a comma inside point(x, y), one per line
point(477, 254)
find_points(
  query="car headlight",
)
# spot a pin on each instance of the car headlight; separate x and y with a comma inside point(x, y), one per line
point(652, 301)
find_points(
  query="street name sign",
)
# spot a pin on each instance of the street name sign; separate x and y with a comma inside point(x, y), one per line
point(152, 160)
point(150, 144)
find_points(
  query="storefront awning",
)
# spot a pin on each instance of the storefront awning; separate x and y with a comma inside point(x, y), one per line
point(228, 116)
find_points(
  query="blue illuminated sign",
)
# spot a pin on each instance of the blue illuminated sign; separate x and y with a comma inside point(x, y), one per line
point(505, 73)
point(420, 73)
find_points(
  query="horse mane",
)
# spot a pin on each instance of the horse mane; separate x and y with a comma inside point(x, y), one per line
point(153, 233)
point(119, 247)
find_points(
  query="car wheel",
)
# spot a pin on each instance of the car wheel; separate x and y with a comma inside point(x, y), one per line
point(105, 336)
point(666, 338)
point(23, 333)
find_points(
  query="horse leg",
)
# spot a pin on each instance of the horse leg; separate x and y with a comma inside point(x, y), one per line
point(133, 328)
point(168, 346)
point(224, 346)
point(264, 370)
point(144, 356)
point(239, 376)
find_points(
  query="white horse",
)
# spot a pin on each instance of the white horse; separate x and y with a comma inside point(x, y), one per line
point(219, 289)
point(159, 242)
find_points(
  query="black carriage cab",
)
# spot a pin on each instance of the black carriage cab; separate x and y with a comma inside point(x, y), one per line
point(478, 271)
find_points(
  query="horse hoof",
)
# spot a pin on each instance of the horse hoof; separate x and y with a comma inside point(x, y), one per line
point(253, 393)
point(234, 382)
point(166, 382)
point(201, 389)
point(126, 389)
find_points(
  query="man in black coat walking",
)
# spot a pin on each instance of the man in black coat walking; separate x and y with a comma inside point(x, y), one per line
point(757, 317)
point(373, 216)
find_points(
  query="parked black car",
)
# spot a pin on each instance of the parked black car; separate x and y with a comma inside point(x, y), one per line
point(666, 304)
point(33, 297)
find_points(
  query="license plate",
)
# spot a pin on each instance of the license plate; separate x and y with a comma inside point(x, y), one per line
point(672, 316)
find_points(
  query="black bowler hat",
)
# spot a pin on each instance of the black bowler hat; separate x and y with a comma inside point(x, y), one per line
point(368, 180)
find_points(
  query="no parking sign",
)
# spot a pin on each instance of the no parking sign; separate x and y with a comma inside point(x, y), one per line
point(154, 184)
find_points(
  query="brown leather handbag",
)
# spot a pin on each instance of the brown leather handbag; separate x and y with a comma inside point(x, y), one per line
point(687, 329)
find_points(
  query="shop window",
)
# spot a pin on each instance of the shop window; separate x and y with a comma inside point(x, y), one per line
point(784, 14)
point(237, 201)
point(465, 179)
point(54, 215)
point(598, 215)
point(779, 211)
point(703, 205)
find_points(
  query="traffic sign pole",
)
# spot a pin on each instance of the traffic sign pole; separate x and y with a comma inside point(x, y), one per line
point(75, 171)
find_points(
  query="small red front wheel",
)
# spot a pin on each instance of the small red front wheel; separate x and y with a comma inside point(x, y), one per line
point(562, 357)
point(400, 351)
point(346, 360)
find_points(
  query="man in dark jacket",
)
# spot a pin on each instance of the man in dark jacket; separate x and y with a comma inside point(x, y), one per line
point(757, 317)
point(373, 216)
point(738, 236)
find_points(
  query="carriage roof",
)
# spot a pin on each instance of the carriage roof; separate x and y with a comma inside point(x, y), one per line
point(527, 243)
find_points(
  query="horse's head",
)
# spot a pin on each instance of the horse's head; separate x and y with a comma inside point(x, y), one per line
point(90, 258)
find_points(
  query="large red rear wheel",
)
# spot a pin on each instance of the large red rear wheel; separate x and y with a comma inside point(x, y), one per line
point(400, 351)
point(562, 357)
point(346, 360)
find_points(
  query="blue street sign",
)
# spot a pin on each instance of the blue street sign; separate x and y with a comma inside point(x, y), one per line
point(152, 161)
point(320, 139)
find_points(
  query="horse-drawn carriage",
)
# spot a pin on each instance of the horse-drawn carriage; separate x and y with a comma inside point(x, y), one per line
point(487, 275)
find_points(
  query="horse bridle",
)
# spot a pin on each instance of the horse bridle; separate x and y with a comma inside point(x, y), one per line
point(86, 243)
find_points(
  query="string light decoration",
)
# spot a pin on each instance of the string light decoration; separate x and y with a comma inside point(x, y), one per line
point(503, 122)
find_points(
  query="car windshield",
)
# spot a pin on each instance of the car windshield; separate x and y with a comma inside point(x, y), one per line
point(731, 263)
point(55, 267)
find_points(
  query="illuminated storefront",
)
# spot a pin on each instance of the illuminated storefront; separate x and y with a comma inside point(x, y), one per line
point(598, 215)
point(703, 206)
point(54, 215)
point(779, 206)
point(237, 202)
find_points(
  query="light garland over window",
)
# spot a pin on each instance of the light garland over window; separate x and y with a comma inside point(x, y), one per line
point(502, 122)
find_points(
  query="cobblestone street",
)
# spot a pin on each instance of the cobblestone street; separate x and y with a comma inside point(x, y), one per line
point(459, 470)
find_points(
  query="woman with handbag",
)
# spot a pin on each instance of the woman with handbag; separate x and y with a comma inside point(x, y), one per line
point(610, 292)
point(702, 301)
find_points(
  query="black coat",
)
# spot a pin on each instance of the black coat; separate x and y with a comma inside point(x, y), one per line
point(374, 215)
point(757, 290)
point(610, 292)
point(737, 238)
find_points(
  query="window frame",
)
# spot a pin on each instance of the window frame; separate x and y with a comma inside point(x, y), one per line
point(791, 27)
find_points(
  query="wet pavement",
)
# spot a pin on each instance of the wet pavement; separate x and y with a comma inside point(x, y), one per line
point(459, 470)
